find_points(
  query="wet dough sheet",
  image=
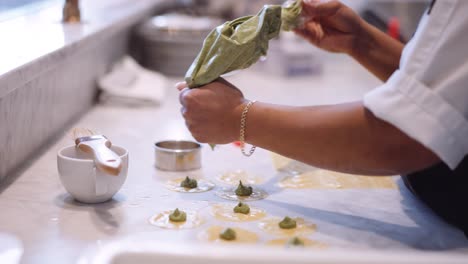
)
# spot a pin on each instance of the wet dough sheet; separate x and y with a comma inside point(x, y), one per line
point(378, 218)
point(310, 177)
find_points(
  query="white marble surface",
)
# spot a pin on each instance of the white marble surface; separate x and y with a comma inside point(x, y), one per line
point(55, 229)
point(11, 249)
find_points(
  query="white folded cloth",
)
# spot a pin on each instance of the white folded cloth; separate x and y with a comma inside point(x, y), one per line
point(130, 84)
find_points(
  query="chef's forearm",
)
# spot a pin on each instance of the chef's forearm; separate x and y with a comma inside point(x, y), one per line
point(377, 52)
point(345, 137)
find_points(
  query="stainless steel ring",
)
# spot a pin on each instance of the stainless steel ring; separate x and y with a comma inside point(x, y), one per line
point(177, 155)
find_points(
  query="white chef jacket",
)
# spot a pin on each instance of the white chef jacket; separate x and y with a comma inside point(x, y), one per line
point(427, 97)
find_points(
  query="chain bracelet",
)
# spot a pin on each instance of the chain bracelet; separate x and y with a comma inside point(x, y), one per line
point(243, 122)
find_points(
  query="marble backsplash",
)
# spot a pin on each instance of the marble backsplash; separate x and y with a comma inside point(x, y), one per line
point(39, 110)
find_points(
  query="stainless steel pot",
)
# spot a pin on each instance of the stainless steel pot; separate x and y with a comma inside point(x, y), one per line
point(171, 42)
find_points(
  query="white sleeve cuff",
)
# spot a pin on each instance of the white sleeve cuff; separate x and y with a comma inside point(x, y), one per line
point(422, 114)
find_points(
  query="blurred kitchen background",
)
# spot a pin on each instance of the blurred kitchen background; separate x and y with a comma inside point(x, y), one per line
point(44, 62)
point(170, 42)
point(167, 43)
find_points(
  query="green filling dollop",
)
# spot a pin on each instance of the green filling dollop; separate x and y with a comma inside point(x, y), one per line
point(243, 190)
point(295, 241)
point(242, 208)
point(228, 234)
point(287, 223)
point(178, 216)
point(189, 183)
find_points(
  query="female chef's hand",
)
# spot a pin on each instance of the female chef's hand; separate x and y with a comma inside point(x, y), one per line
point(330, 25)
point(212, 112)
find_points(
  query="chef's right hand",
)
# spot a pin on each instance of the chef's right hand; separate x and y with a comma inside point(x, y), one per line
point(212, 112)
point(330, 25)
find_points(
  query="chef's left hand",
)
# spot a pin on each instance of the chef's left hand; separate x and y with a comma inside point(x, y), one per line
point(212, 112)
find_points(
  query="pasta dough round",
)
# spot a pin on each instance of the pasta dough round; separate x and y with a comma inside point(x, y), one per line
point(315, 179)
point(233, 177)
point(202, 186)
point(224, 212)
point(162, 220)
point(242, 235)
point(230, 194)
point(324, 179)
point(302, 228)
point(284, 242)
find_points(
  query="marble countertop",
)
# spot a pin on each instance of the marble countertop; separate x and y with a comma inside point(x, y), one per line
point(55, 229)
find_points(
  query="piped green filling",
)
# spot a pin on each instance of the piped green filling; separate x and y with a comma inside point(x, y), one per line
point(228, 234)
point(243, 190)
point(295, 241)
point(239, 43)
point(242, 208)
point(189, 183)
point(178, 216)
point(287, 223)
point(290, 15)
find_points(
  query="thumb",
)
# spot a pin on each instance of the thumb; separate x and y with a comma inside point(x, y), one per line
point(181, 85)
point(317, 8)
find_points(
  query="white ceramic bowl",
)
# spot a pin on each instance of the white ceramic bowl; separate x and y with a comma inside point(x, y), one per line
point(83, 181)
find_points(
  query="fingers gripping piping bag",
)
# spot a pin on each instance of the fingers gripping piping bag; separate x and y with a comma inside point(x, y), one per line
point(238, 44)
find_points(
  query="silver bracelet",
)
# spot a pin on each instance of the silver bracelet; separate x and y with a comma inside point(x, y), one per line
point(242, 130)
